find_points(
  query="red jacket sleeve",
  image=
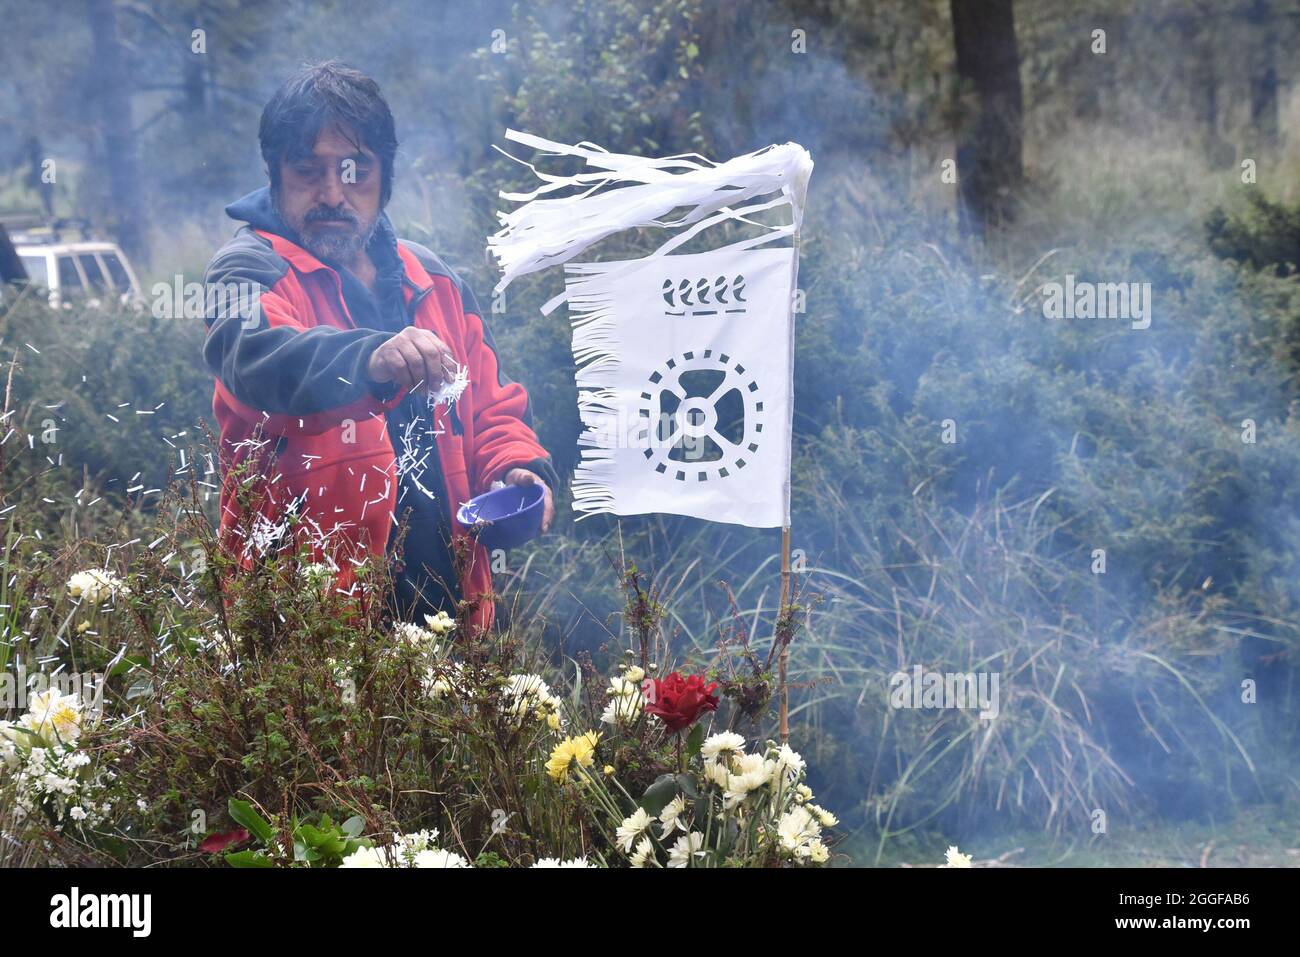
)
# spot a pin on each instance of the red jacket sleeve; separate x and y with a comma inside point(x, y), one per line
point(276, 366)
point(502, 421)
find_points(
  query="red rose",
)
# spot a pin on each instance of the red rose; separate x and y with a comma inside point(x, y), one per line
point(679, 701)
point(216, 843)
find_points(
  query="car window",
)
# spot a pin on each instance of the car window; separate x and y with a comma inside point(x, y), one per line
point(94, 277)
point(36, 270)
point(69, 278)
point(116, 272)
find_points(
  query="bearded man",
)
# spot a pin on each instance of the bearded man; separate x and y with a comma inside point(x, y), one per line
point(347, 360)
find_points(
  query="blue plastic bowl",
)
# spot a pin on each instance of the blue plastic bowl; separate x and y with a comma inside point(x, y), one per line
point(506, 517)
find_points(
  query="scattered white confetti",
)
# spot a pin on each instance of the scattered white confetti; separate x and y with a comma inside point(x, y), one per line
point(451, 390)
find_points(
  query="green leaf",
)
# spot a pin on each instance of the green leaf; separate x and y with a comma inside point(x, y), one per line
point(577, 685)
point(241, 812)
point(658, 795)
point(327, 842)
point(353, 845)
point(353, 826)
point(686, 784)
point(126, 664)
point(695, 741)
point(248, 859)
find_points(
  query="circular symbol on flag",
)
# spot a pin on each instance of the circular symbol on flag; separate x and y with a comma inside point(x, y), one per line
point(701, 417)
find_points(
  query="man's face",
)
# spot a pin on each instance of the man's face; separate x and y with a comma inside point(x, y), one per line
point(331, 198)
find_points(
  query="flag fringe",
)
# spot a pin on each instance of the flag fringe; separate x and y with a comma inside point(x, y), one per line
point(596, 350)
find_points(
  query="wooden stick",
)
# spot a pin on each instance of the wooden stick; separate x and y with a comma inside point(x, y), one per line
point(782, 610)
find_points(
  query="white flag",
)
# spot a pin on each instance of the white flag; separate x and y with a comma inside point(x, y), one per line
point(685, 362)
point(684, 385)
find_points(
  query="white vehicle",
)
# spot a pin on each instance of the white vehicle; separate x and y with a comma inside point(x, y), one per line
point(76, 271)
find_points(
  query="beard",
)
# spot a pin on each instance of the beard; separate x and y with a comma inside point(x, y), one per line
point(340, 243)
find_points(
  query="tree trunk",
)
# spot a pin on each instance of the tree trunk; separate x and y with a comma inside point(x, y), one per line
point(113, 104)
point(1263, 81)
point(989, 165)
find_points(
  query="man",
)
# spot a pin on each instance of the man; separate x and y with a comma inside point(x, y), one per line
point(336, 358)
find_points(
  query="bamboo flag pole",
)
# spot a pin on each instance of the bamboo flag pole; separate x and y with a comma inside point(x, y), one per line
point(783, 609)
point(785, 650)
point(549, 230)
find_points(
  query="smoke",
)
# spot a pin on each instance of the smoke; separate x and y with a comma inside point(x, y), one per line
point(936, 398)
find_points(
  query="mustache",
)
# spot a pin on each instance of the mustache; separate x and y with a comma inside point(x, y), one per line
point(323, 214)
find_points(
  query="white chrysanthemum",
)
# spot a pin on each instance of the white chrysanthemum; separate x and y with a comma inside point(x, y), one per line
point(749, 773)
point(580, 863)
point(796, 830)
point(632, 828)
point(955, 858)
point(444, 680)
point(634, 674)
point(95, 586)
point(802, 793)
point(435, 858)
point(645, 854)
point(625, 702)
point(789, 760)
point(687, 846)
point(441, 624)
point(722, 743)
point(817, 851)
point(526, 695)
point(9, 741)
point(671, 817)
point(413, 635)
point(824, 817)
point(716, 772)
point(365, 857)
point(53, 718)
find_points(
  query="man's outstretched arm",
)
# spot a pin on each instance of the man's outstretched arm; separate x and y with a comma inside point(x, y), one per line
point(273, 362)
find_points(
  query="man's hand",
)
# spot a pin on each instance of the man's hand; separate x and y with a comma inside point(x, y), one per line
point(525, 477)
point(414, 359)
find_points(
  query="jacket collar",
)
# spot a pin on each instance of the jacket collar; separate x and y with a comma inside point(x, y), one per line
point(258, 210)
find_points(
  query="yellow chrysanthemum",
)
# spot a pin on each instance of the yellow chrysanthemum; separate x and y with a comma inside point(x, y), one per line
point(580, 749)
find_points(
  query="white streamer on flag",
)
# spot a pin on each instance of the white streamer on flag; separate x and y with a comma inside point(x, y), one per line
point(685, 362)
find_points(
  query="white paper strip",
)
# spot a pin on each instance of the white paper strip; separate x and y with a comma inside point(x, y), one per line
point(547, 232)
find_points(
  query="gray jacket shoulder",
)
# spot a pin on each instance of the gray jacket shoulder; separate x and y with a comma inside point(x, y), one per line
point(247, 257)
point(431, 261)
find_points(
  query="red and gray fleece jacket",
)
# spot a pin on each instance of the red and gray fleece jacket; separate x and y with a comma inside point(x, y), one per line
point(290, 367)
